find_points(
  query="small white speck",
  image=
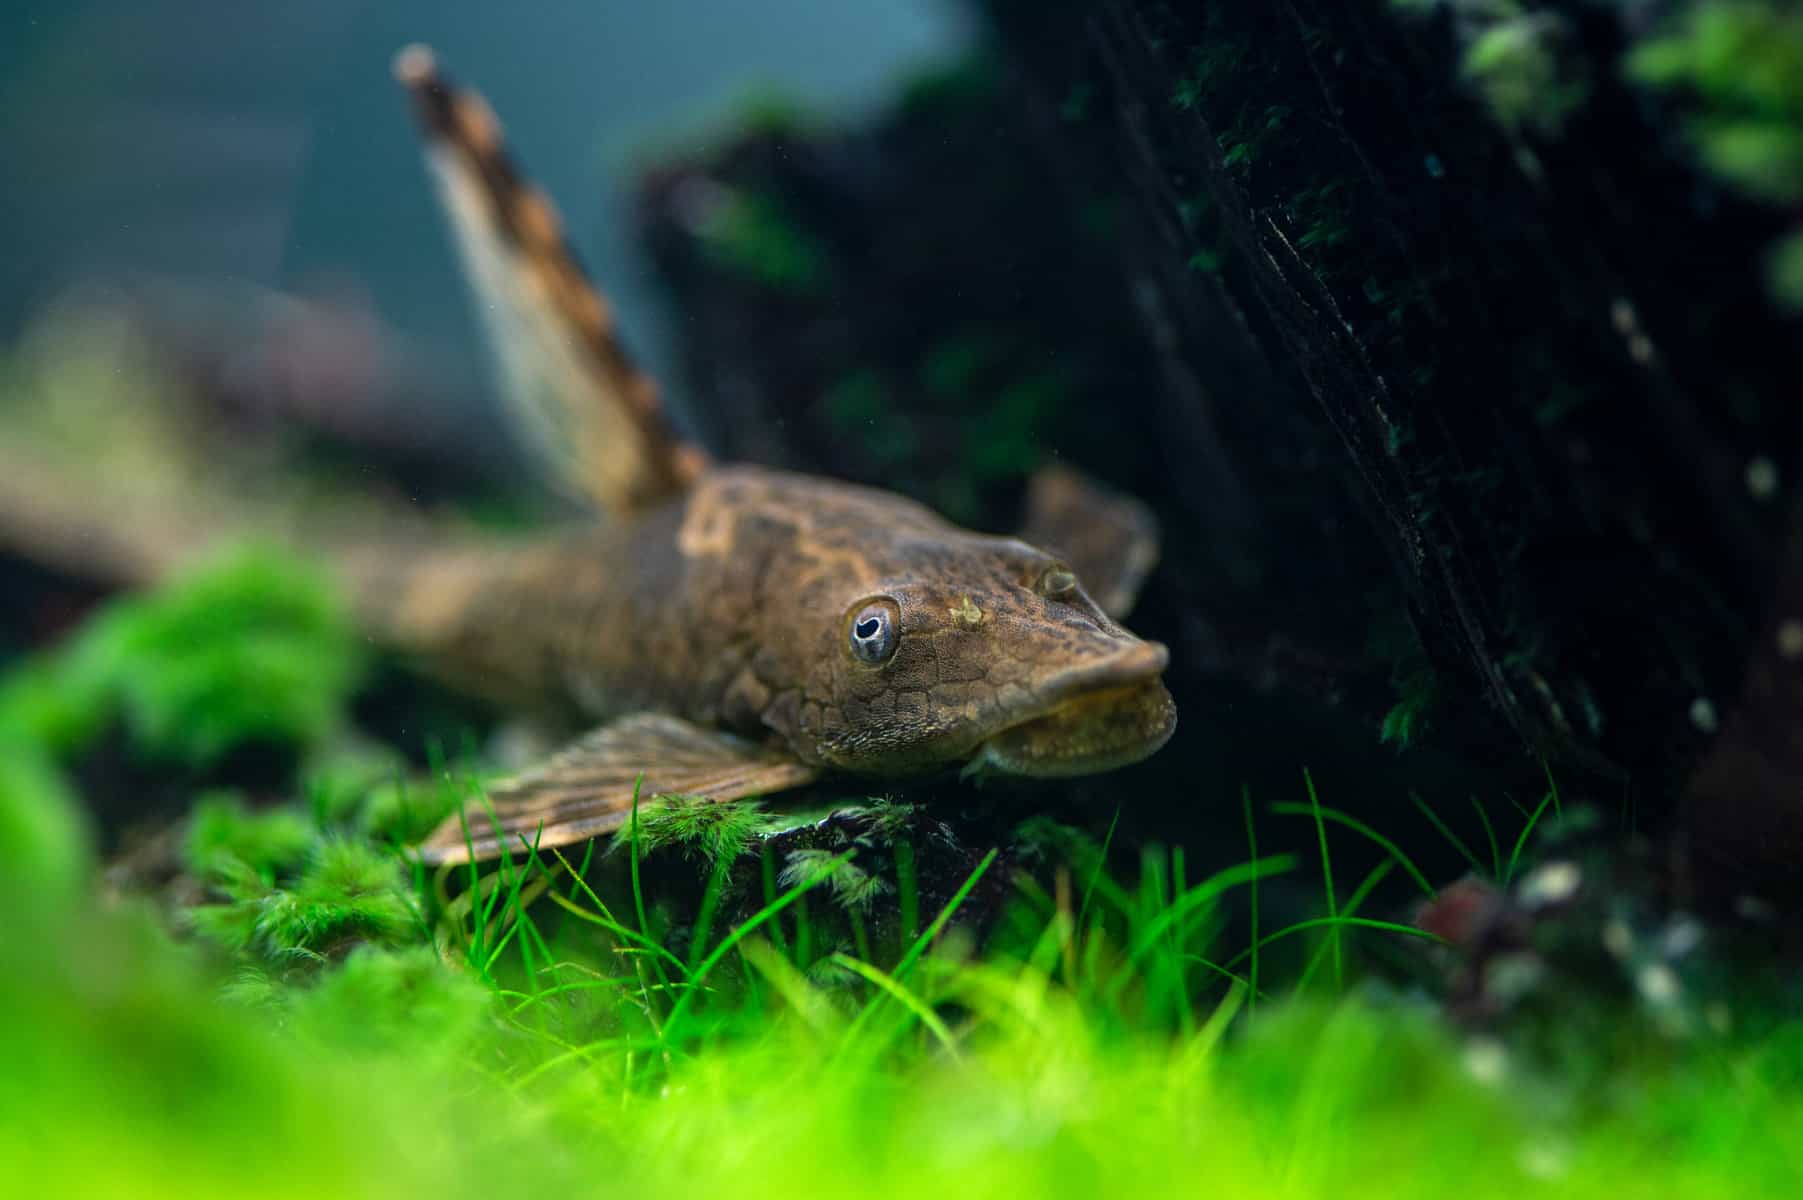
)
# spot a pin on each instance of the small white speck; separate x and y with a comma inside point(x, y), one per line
point(1658, 983)
point(1618, 939)
point(1702, 715)
point(1790, 638)
point(1621, 313)
point(1554, 883)
point(1682, 936)
point(1486, 1061)
point(1640, 349)
point(1762, 477)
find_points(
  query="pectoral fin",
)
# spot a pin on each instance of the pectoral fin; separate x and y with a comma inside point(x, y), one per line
point(1109, 539)
point(586, 789)
point(577, 398)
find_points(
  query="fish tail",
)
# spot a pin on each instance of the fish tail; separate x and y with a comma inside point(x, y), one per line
point(577, 397)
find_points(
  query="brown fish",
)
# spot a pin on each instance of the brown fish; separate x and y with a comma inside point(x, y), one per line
point(734, 631)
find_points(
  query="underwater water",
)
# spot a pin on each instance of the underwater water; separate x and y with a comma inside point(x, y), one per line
point(1078, 598)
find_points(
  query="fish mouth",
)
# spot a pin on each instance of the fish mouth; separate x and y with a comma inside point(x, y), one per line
point(1107, 717)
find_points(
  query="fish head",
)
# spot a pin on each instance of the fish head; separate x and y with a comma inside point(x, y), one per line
point(956, 649)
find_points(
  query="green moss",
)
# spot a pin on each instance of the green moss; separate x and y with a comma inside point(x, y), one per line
point(1517, 64)
point(249, 648)
point(1060, 1064)
point(398, 812)
point(339, 781)
point(1736, 68)
point(1206, 261)
point(1319, 213)
point(1003, 439)
point(1214, 65)
point(752, 235)
point(717, 832)
point(851, 885)
point(50, 709)
point(1392, 638)
point(859, 407)
point(47, 851)
point(348, 893)
point(948, 92)
point(394, 1000)
point(1784, 270)
point(226, 842)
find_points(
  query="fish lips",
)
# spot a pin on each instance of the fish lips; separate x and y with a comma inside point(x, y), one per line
point(1095, 718)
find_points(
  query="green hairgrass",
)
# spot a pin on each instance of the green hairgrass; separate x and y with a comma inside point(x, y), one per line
point(1252, 900)
point(1445, 831)
point(1322, 812)
point(361, 1026)
point(1332, 925)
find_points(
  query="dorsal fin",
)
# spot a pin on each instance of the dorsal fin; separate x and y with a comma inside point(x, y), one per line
point(577, 397)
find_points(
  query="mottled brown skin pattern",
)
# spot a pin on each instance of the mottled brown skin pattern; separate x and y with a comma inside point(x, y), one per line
point(731, 607)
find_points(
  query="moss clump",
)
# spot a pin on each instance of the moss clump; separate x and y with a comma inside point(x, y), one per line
point(226, 842)
point(393, 1000)
point(751, 234)
point(249, 648)
point(861, 407)
point(695, 825)
point(46, 840)
point(395, 813)
point(1519, 65)
point(1738, 65)
point(349, 893)
point(852, 886)
point(49, 709)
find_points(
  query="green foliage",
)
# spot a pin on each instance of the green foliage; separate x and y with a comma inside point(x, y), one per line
point(394, 813)
point(1001, 436)
point(248, 648)
point(1517, 64)
point(752, 235)
point(1784, 269)
point(1743, 62)
point(347, 894)
point(1737, 66)
point(852, 886)
point(859, 406)
point(715, 832)
point(225, 842)
point(49, 708)
point(398, 1000)
point(352, 1026)
point(1099, 1046)
point(1412, 675)
point(45, 838)
point(951, 91)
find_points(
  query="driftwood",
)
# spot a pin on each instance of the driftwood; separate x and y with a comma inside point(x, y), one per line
point(1474, 426)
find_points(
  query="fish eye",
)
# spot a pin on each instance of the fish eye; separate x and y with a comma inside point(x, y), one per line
point(1057, 581)
point(873, 635)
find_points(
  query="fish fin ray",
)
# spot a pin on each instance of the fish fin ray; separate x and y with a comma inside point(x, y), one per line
point(589, 413)
point(585, 789)
point(1109, 539)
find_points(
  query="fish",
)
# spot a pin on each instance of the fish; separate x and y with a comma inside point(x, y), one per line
point(723, 630)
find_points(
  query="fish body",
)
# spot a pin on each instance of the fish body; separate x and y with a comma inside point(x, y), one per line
point(734, 608)
point(727, 630)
